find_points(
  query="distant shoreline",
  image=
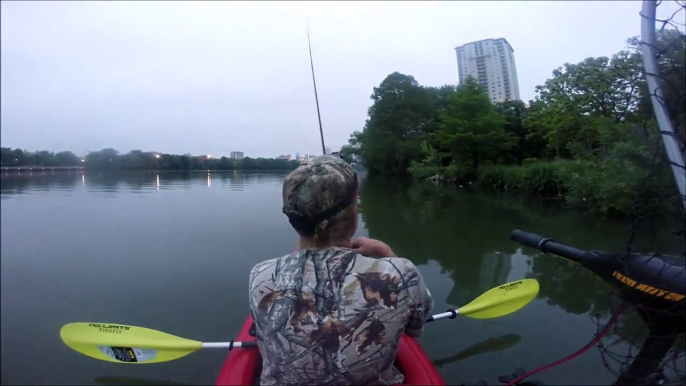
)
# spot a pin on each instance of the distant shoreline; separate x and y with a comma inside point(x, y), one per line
point(81, 168)
point(20, 168)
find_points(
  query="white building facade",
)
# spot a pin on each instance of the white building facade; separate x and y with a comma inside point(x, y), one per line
point(491, 63)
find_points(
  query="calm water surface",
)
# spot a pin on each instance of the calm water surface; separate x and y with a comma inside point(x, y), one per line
point(172, 251)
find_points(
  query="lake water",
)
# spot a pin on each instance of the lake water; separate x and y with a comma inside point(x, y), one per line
point(172, 251)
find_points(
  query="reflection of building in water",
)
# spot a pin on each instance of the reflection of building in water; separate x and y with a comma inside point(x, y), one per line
point(493, 271)
point(237, 181)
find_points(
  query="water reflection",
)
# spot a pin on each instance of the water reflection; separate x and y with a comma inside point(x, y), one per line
point(114, 380)
point(468, 235)
point(198, 243)
point(142, 182)
point(490, 345)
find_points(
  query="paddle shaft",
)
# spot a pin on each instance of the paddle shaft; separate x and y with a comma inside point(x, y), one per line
point(118, 343)
point(450, 314)
point(229, 345)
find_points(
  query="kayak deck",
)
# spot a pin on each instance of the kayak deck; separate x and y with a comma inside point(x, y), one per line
point(243, 366)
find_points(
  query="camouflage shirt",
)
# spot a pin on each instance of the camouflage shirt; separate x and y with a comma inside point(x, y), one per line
point(331, 316)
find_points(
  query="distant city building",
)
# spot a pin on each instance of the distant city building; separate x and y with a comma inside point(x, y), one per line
point(237, 154)
point(286, 157)
point(297, 156)
point(491, 63)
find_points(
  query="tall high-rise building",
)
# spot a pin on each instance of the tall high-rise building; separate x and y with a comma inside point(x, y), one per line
point(237, 155)
point(491, 63)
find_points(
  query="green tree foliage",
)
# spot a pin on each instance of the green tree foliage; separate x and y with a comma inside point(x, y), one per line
point(572, 105)
point(523, 145)
point(471, 128)
point(402, 114)
point(588, 138)
point(353, 150)
point(110, 159)
point(19, 157)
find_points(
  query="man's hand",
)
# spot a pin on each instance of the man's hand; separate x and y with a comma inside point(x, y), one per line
point(371, 247)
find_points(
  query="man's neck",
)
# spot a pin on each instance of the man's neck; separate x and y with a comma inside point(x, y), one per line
point(305, 243)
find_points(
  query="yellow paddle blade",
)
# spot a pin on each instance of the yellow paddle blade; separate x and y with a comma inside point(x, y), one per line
point(125, 344)
point(501, 300)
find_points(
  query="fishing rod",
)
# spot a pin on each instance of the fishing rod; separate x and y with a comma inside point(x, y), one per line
point(316, 98)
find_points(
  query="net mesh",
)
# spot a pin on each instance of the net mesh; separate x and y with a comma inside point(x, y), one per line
point(646, 345)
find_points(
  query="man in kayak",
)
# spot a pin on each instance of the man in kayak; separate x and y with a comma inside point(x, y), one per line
point(333, 312)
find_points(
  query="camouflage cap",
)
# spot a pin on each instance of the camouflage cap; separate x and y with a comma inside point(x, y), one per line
point(318, 191)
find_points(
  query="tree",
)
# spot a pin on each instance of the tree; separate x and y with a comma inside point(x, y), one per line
point(103, 159)
point(525, 146)
point(9, 157)
point(596, 86)
point(353, 148)
point(402, 114)
point(348, 153)
point(471, 127)
point(569, 104)
point(67, 158)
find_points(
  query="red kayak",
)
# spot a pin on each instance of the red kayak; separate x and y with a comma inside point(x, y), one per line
point(242, 365)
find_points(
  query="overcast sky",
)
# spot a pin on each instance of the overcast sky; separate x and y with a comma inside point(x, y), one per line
point(210, 78)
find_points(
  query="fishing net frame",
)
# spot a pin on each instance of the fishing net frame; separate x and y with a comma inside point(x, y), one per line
point(655, 355)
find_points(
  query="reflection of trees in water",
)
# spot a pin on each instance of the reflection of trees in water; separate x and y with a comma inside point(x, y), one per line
point(112, 181)
point(467, 233)
point(116, 380)
point(570, 286)
point(490, 345)
point(460, 231)
point(238, 180)
point(493, 270)
point(18, 183)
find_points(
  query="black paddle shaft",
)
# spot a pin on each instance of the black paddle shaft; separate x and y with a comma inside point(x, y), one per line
point(650, 281)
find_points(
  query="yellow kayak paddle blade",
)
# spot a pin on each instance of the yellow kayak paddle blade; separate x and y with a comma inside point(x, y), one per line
point(501, 300)
point(126, 344)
